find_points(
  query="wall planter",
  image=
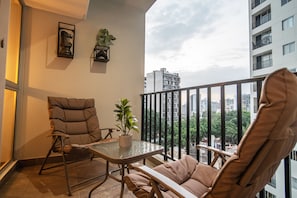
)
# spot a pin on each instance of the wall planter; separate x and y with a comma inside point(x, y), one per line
point(101, 53)
point(101, 50)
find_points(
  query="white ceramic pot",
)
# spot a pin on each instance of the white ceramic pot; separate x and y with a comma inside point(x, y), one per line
point(125, 141)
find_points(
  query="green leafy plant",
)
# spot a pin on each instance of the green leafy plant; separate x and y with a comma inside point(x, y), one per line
point(104, 39)
point(127, 121)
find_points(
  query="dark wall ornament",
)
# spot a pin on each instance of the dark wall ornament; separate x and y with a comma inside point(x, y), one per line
point(101, 53)
point(66, 35)
point(101, 50)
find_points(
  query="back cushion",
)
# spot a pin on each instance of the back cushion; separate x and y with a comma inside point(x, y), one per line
point(76, 117)
point(269, 138)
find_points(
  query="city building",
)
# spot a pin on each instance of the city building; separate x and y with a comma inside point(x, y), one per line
point(273, 37)
point(162, 80)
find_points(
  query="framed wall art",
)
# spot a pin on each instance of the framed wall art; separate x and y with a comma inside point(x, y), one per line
point(66, 35)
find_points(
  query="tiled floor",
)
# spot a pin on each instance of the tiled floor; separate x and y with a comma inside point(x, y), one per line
point(27, 183)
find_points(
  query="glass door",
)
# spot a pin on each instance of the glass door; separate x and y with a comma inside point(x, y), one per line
point(11, 83)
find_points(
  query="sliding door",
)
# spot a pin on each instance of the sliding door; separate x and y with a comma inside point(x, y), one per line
point(11, 45)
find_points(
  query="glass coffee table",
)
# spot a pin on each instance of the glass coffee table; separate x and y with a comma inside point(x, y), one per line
point(112, 153)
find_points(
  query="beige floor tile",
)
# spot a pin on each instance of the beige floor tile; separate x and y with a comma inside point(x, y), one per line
point(27, 183)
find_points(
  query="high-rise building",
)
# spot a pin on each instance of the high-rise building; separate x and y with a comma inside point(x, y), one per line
point(162, 80)
point(273, 37)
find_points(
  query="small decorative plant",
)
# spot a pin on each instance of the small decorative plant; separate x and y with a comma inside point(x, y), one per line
point(101, 49)
point(104, 39)
point(127, 121)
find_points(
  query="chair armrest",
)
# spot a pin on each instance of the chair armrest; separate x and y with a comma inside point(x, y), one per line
point(217, 153)
point(60, 134)
point(164, 181)
point(109, 133)
point(222, 152)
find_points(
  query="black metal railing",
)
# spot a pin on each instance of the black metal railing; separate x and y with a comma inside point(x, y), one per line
point(182, 118)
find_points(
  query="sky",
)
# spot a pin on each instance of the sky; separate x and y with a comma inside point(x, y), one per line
point(205, 41)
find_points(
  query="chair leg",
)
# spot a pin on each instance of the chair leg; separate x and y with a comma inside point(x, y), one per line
point(48, 154)
point(66, 169)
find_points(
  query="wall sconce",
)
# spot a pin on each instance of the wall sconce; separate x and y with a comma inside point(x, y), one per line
point(66, 35)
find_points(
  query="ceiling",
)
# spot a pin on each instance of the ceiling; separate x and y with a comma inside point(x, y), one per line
point(72, 8)
point(79, 8)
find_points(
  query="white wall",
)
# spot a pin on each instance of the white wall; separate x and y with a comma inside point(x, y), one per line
point(43, 74)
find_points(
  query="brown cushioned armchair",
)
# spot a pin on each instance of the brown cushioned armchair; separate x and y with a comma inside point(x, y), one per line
point(74, 126)
point(269, 139)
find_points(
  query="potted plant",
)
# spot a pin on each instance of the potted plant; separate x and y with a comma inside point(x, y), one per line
point(102, 47)
point(127, 122)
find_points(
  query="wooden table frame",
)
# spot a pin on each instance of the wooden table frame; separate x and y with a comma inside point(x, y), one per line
point(112, 153)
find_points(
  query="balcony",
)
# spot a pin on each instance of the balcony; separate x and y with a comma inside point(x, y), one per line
point(255, 3)
point(262, 42)
point(222, 111)
point(216, 115)
point(262, 18)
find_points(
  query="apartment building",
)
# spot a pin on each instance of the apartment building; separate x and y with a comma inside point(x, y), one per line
point(162, 80)
point(273, 38)
point(273, 35)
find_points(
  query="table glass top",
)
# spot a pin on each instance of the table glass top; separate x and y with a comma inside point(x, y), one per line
point(114, 151)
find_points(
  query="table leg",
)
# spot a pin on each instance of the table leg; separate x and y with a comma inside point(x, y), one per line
point(122, 182)
point(106, 176)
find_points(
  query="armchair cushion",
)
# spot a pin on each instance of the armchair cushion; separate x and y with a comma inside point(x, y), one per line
point(186, 172)
point(75, 117)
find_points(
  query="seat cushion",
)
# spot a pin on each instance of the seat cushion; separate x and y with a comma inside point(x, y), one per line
point(193, 176)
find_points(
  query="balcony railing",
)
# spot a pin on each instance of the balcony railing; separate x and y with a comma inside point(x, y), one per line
point(261, 19)
point(263, 64)
point(255, 3)
point(216, 115)
point(265, 41)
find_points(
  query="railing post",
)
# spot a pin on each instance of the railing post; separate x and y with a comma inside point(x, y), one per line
point(188, 123)
point(223, 118)
point(239, 113)
point(172, 125)
point(165, 130)
point(142, 118)
point(209, 122)
point(179, 124)
point(198, 121)
point(287, 169)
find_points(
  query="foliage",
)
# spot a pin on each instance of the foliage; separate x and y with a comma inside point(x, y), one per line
point(104, 39)
point(127, 121)
point(230, 128)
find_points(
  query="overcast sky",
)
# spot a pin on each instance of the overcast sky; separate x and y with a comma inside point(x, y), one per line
point(205, 41)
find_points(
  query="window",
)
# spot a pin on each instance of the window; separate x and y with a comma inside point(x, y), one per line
point(263, 39)
point(262, 18)
point(288, 23)
point(263, 61)
point(289, 48)
point(257, 2)
point(285, 2)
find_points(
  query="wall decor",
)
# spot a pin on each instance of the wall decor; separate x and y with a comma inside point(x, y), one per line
point(101, 50)
point(66, 35)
